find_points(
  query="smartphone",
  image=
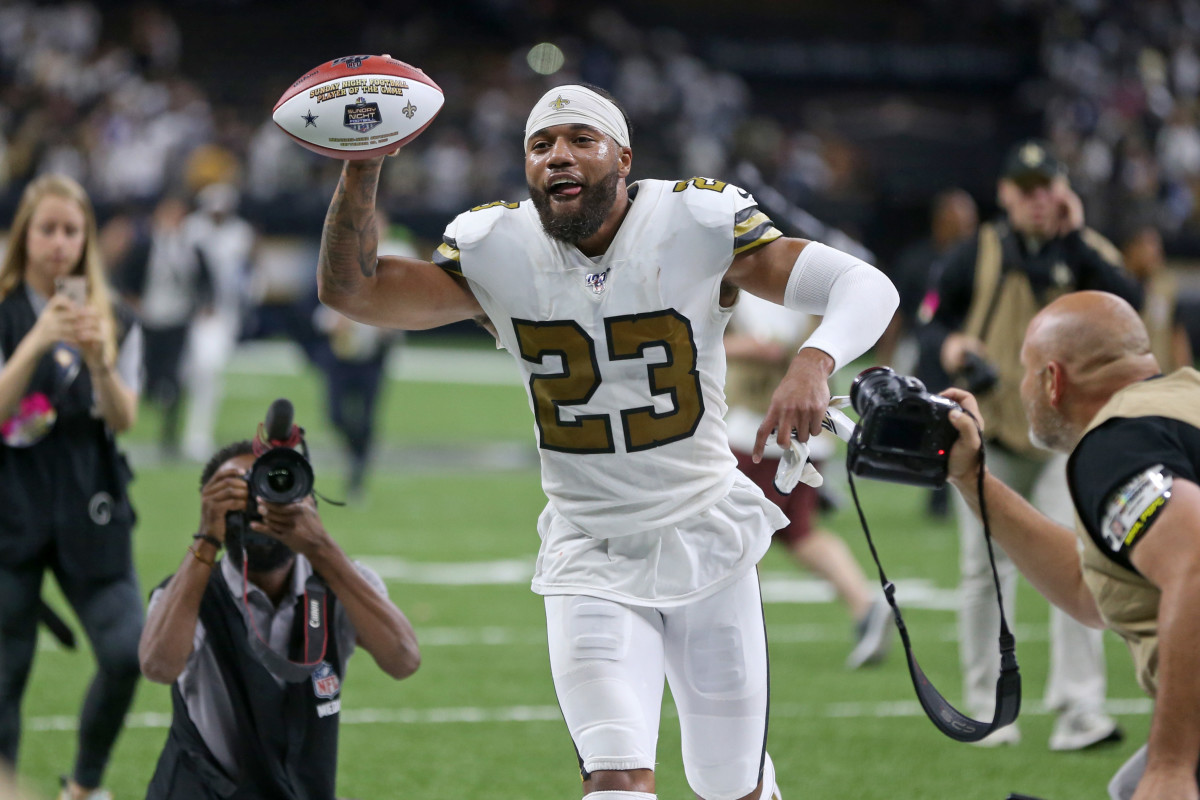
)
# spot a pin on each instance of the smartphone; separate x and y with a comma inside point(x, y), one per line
point(73, 286)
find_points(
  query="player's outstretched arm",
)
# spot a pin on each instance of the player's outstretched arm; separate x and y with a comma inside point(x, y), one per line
point(856, 301)
point(390, 292)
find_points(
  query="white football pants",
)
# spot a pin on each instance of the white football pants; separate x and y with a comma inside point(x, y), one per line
point(609, 660)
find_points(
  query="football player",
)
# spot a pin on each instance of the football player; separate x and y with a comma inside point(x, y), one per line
point(612, 298)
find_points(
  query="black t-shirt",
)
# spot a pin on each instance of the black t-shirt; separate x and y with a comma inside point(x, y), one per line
point(1114, 477)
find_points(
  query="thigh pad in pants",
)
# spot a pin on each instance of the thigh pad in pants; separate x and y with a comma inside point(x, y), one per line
point(607, 663)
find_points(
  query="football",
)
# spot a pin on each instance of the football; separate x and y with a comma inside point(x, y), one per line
point(358, 106)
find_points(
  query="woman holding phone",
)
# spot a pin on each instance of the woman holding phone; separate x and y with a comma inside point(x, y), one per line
point(69, 372)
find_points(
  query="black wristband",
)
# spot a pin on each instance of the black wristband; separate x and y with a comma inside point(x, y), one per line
point(214, 541)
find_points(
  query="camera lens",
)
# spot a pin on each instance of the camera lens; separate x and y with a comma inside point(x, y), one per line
point(871, 385)
point(281, 475)
point(281, 479)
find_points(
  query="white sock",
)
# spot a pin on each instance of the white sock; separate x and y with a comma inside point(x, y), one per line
point(768, 778)
point(609, 795)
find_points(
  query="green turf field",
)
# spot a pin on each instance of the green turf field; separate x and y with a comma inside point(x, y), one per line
point(449, 522)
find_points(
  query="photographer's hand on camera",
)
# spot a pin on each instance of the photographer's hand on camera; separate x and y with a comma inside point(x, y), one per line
point(963, 467)
point(225, 491)
point(799, 403)
point(295, 524)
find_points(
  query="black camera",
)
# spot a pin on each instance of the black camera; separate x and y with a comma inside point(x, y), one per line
point(904, 433)
point(976, 375)
point(280, 473)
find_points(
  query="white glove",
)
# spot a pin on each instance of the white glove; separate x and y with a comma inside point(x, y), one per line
point(794, 468)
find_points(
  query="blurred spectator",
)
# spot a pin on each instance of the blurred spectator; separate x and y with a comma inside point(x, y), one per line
point(1169, 341)
point(954, 218)
point(69, 382)
point(226, 243)
point(166, 280)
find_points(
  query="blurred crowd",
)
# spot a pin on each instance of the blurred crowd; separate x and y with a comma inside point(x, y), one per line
point(1121, 96)
point(141, 103)
point(109, 99)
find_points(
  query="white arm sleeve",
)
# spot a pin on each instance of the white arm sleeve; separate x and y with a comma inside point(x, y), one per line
point(856, 300)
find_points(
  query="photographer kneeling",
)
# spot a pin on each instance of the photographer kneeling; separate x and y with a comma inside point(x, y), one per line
point(1091, 388)
point(249, 721)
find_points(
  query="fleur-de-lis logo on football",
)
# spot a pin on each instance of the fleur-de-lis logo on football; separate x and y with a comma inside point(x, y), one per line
point(558, 104)
point(409, 110)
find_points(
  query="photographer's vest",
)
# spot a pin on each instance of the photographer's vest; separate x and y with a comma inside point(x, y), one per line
point(68, 488)
point(1158, 313)
point(1127, 601)
point(286, 750)
point(1002, 305)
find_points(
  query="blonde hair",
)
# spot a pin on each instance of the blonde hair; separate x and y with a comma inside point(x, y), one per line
point(91, 264)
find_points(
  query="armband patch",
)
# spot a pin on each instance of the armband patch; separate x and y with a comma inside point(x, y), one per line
point(1132, 509)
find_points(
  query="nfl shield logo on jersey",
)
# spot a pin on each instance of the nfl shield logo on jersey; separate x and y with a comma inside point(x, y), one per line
point(596, 281)
point(325, 681)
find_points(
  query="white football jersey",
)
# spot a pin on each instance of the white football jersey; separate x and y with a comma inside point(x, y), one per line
point(622, 355)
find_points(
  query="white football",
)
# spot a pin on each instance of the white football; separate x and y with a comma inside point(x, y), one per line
point(358, 106)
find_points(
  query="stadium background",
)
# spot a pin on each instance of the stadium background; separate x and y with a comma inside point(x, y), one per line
point(857, 112)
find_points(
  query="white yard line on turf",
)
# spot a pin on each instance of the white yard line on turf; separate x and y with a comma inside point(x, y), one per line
point(478, 714)
point(777, 587)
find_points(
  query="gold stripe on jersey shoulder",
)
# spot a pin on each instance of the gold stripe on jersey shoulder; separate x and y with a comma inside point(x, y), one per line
point(745, 223)
point(757, 237)
point(448, 258)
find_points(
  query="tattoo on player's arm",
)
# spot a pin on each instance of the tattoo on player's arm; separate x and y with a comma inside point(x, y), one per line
point(349, 236)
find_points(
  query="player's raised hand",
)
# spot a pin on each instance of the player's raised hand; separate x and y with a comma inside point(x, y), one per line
point(799, 403)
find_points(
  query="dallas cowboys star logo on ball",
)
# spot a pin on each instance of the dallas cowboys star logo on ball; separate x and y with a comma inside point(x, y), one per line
point(309, 119)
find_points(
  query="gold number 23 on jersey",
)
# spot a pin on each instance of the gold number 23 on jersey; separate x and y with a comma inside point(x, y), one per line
point(628, 338)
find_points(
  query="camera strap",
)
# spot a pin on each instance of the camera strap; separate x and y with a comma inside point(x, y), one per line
point(948, 719)
point(316, 632)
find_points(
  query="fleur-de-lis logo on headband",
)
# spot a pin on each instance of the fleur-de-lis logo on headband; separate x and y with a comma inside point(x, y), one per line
point(558, 104)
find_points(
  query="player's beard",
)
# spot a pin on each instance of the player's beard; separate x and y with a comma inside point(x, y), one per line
point(572, 227)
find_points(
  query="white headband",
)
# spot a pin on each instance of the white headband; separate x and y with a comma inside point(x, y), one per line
point(576, 105)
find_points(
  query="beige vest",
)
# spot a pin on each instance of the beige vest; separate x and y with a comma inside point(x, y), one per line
point(1002, 305)
point(1127, 601)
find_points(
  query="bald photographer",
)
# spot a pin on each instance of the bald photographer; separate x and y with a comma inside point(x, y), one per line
point(255, 644)
point(1091, 388)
